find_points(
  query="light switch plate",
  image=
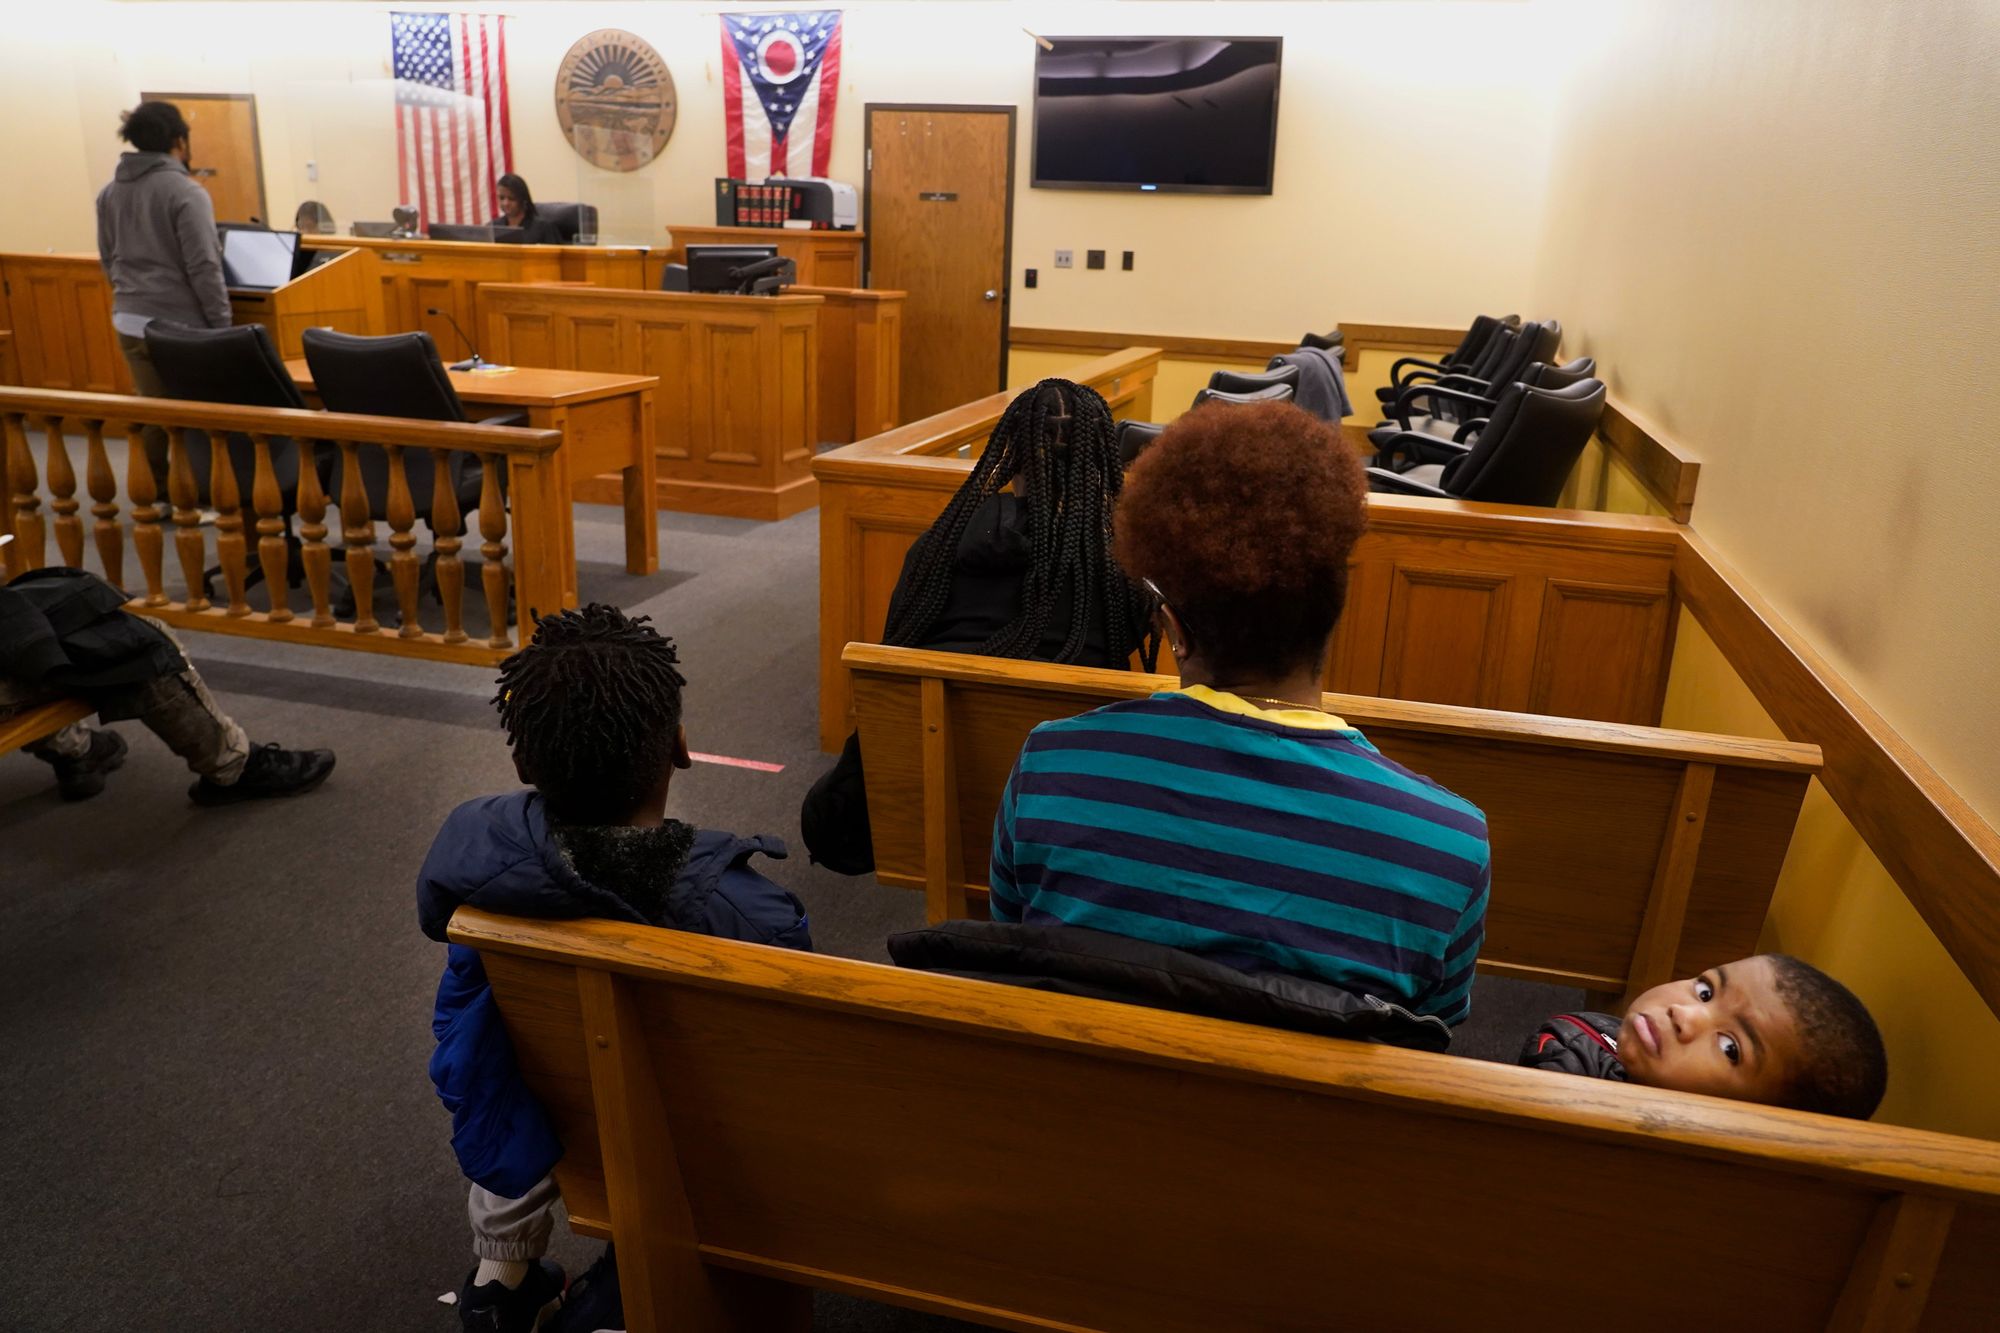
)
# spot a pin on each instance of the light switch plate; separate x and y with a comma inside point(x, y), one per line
point(1065, 259)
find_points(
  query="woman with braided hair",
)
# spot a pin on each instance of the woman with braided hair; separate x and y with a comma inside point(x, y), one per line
point(1018, 565)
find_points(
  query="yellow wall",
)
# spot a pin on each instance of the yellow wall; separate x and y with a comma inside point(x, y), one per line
point(1838, 909)
point(1353, 103)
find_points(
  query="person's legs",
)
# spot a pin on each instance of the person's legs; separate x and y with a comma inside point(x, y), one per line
point(72, 742)
point(180, 711)
point(147, 384)
point(512, 1286)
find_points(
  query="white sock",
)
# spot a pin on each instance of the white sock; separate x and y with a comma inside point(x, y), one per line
point(509, 1273)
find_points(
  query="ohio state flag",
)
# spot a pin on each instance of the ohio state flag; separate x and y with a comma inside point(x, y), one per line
point(780, 79)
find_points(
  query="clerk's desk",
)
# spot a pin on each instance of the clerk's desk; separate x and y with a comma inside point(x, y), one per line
point(607, 426)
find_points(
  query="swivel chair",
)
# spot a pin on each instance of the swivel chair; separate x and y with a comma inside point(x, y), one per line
point(1478, 341)
point(1134, 436)
point(1472, 408)
point(571, 220)
point(1522, 457)
point(1233, 381)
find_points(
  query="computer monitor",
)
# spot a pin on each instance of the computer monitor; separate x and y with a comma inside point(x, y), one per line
point(257, 258)
point(710, 266)
point(454, 231)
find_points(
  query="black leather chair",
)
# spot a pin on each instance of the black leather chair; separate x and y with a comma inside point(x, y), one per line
point(1237, 382)
point(1478, 342)
point(1471, 409)
point(1334, 341)
point(1134, 436)
point(237, 365)
point(1532, 342)
point(570, 219)
point(399, 375)
point(1523, 455)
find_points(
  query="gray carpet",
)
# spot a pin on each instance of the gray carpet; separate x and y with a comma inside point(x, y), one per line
point(216, 1021)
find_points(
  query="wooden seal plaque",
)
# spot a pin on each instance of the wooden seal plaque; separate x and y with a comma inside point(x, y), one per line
point(615, 100)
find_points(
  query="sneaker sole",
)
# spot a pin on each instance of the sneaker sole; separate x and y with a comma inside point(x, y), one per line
point(198, 793)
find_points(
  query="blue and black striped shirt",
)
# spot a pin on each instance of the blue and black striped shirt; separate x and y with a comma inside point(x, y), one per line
point(1271, 841)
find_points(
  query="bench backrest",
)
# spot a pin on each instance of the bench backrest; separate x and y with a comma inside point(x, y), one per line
point(1622, 855)
point(1036, 1161)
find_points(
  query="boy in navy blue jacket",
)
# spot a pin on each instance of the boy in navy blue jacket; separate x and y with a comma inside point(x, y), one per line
point(592, 709)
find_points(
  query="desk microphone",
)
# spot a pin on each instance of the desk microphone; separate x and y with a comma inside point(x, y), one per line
point(474, 362)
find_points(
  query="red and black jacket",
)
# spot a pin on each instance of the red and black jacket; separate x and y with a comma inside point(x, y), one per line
point(1576, 1044)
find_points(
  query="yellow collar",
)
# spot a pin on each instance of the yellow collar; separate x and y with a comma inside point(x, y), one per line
point(1309, 719)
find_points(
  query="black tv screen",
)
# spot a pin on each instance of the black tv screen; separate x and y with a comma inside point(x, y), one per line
point(1181, 114)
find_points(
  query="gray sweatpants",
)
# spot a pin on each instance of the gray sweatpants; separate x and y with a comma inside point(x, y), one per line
point(513, 1230)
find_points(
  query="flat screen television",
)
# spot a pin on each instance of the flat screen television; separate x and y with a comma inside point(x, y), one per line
point(1189, 115)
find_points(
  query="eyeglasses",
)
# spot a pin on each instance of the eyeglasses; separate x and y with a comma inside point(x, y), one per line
point(1187, 628)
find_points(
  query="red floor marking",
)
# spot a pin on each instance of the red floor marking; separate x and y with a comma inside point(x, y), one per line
point(725, 760)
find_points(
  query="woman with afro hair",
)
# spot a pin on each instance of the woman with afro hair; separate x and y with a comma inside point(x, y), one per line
point(1233, 817)
point(1018, 565)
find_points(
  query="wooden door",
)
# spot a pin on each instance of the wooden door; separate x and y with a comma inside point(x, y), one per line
point(940, 208)
point(222, 141)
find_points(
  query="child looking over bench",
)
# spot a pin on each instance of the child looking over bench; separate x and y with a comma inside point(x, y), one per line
point(1767, 1029)
point(1235, 818)
point(592, 709)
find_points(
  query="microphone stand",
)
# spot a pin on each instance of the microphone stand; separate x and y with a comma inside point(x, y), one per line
point(475, 361)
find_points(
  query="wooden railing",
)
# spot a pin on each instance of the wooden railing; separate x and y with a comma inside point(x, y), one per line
point(520, 513)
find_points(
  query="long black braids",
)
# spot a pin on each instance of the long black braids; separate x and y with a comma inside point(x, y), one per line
point(1060, 441)
point(592, 707)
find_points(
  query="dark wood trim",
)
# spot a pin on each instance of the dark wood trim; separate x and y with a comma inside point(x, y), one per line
point(1173, 345)
point(1940, 852)
point(1006, 288)
point(1394, 338)
point(1667, 474)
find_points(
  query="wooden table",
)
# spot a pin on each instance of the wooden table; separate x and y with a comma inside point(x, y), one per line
point(607, 426)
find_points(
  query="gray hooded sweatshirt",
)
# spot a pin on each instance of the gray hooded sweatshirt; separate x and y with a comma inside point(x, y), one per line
point(156, 240)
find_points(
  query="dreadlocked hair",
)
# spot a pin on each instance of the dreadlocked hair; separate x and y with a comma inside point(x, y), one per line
point(592, 707)
point(1071, 472)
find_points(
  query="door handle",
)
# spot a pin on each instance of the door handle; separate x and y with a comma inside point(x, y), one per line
point(992, 295)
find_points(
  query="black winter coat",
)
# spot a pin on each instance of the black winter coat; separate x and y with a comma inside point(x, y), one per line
point(1576, 1044)
point(67, 631)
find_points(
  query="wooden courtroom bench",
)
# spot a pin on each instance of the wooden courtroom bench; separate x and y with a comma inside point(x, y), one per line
point(44, 720)
point(1623, 856)
point(747, 1122)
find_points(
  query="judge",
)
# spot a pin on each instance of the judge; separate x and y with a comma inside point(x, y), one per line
point(517, 209)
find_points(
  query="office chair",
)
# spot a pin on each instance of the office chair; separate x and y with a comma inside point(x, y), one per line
point(674, 278)
point(1473, 408)
point(1532, 342)
point(571, 220)
point(1277, 375)
point(399, 375)
point(1134, 436)
point(1522, 457)
point(1478, 343)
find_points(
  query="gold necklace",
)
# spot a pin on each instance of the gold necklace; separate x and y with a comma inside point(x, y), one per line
point(1283, 704)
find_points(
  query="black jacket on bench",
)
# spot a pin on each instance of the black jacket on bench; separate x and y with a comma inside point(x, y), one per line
point(1073, 960)
point(65, 631)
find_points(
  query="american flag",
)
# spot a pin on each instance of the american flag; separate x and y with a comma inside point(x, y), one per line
point(452, 136)
point(780, 79)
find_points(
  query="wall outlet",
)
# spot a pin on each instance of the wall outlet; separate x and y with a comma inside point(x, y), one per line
point(1093, 259)
point(1030, 279)
point(1065, 259)
point(1128, 261)
point(312, 171)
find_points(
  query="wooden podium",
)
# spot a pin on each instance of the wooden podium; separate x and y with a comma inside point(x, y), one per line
point(737, 410)
point(331, 296)
point(825, 258)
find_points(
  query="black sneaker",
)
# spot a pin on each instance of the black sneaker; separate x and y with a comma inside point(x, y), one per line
point(269, 771)
point(593, 1304)
point(82, 778)
point(494, 1307)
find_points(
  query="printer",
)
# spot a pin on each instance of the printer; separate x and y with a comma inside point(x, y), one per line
point(823, 202)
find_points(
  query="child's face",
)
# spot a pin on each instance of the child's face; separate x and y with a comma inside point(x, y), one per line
point(1725, 1033)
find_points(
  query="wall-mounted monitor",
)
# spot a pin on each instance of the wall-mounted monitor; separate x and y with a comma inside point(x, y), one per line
point(1168, 114)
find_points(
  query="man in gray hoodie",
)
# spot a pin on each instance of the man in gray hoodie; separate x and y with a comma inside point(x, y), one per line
point(156, 239)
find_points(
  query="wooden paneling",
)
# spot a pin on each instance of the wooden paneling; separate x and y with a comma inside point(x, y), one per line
point(1579, 813)
point(1663, 468)
point(860, 361)
point(878, 495)
point(60, 309)
point(10, 367)
point(736, 410)
point(1166, 1188)
point(824, 258)
point(1943, 855)
point(1415, 339)
point(334, 295)
point(940, 196)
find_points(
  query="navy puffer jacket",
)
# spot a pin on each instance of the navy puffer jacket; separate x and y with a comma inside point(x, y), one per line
point(501, 854)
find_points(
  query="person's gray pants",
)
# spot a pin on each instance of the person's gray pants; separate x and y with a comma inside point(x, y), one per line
point(513, 1230)
point(147, 384)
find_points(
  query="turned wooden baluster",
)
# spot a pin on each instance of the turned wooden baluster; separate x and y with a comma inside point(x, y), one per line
point(402, 545)
point(313, 552)
point(26, 551)
point(493, 551)
point(271, 556)
point(447, 528)
point(187, 518)
point(106, 533)
point(147, 537)
point(231, 547)
point(62, 490)
point(358, 532)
